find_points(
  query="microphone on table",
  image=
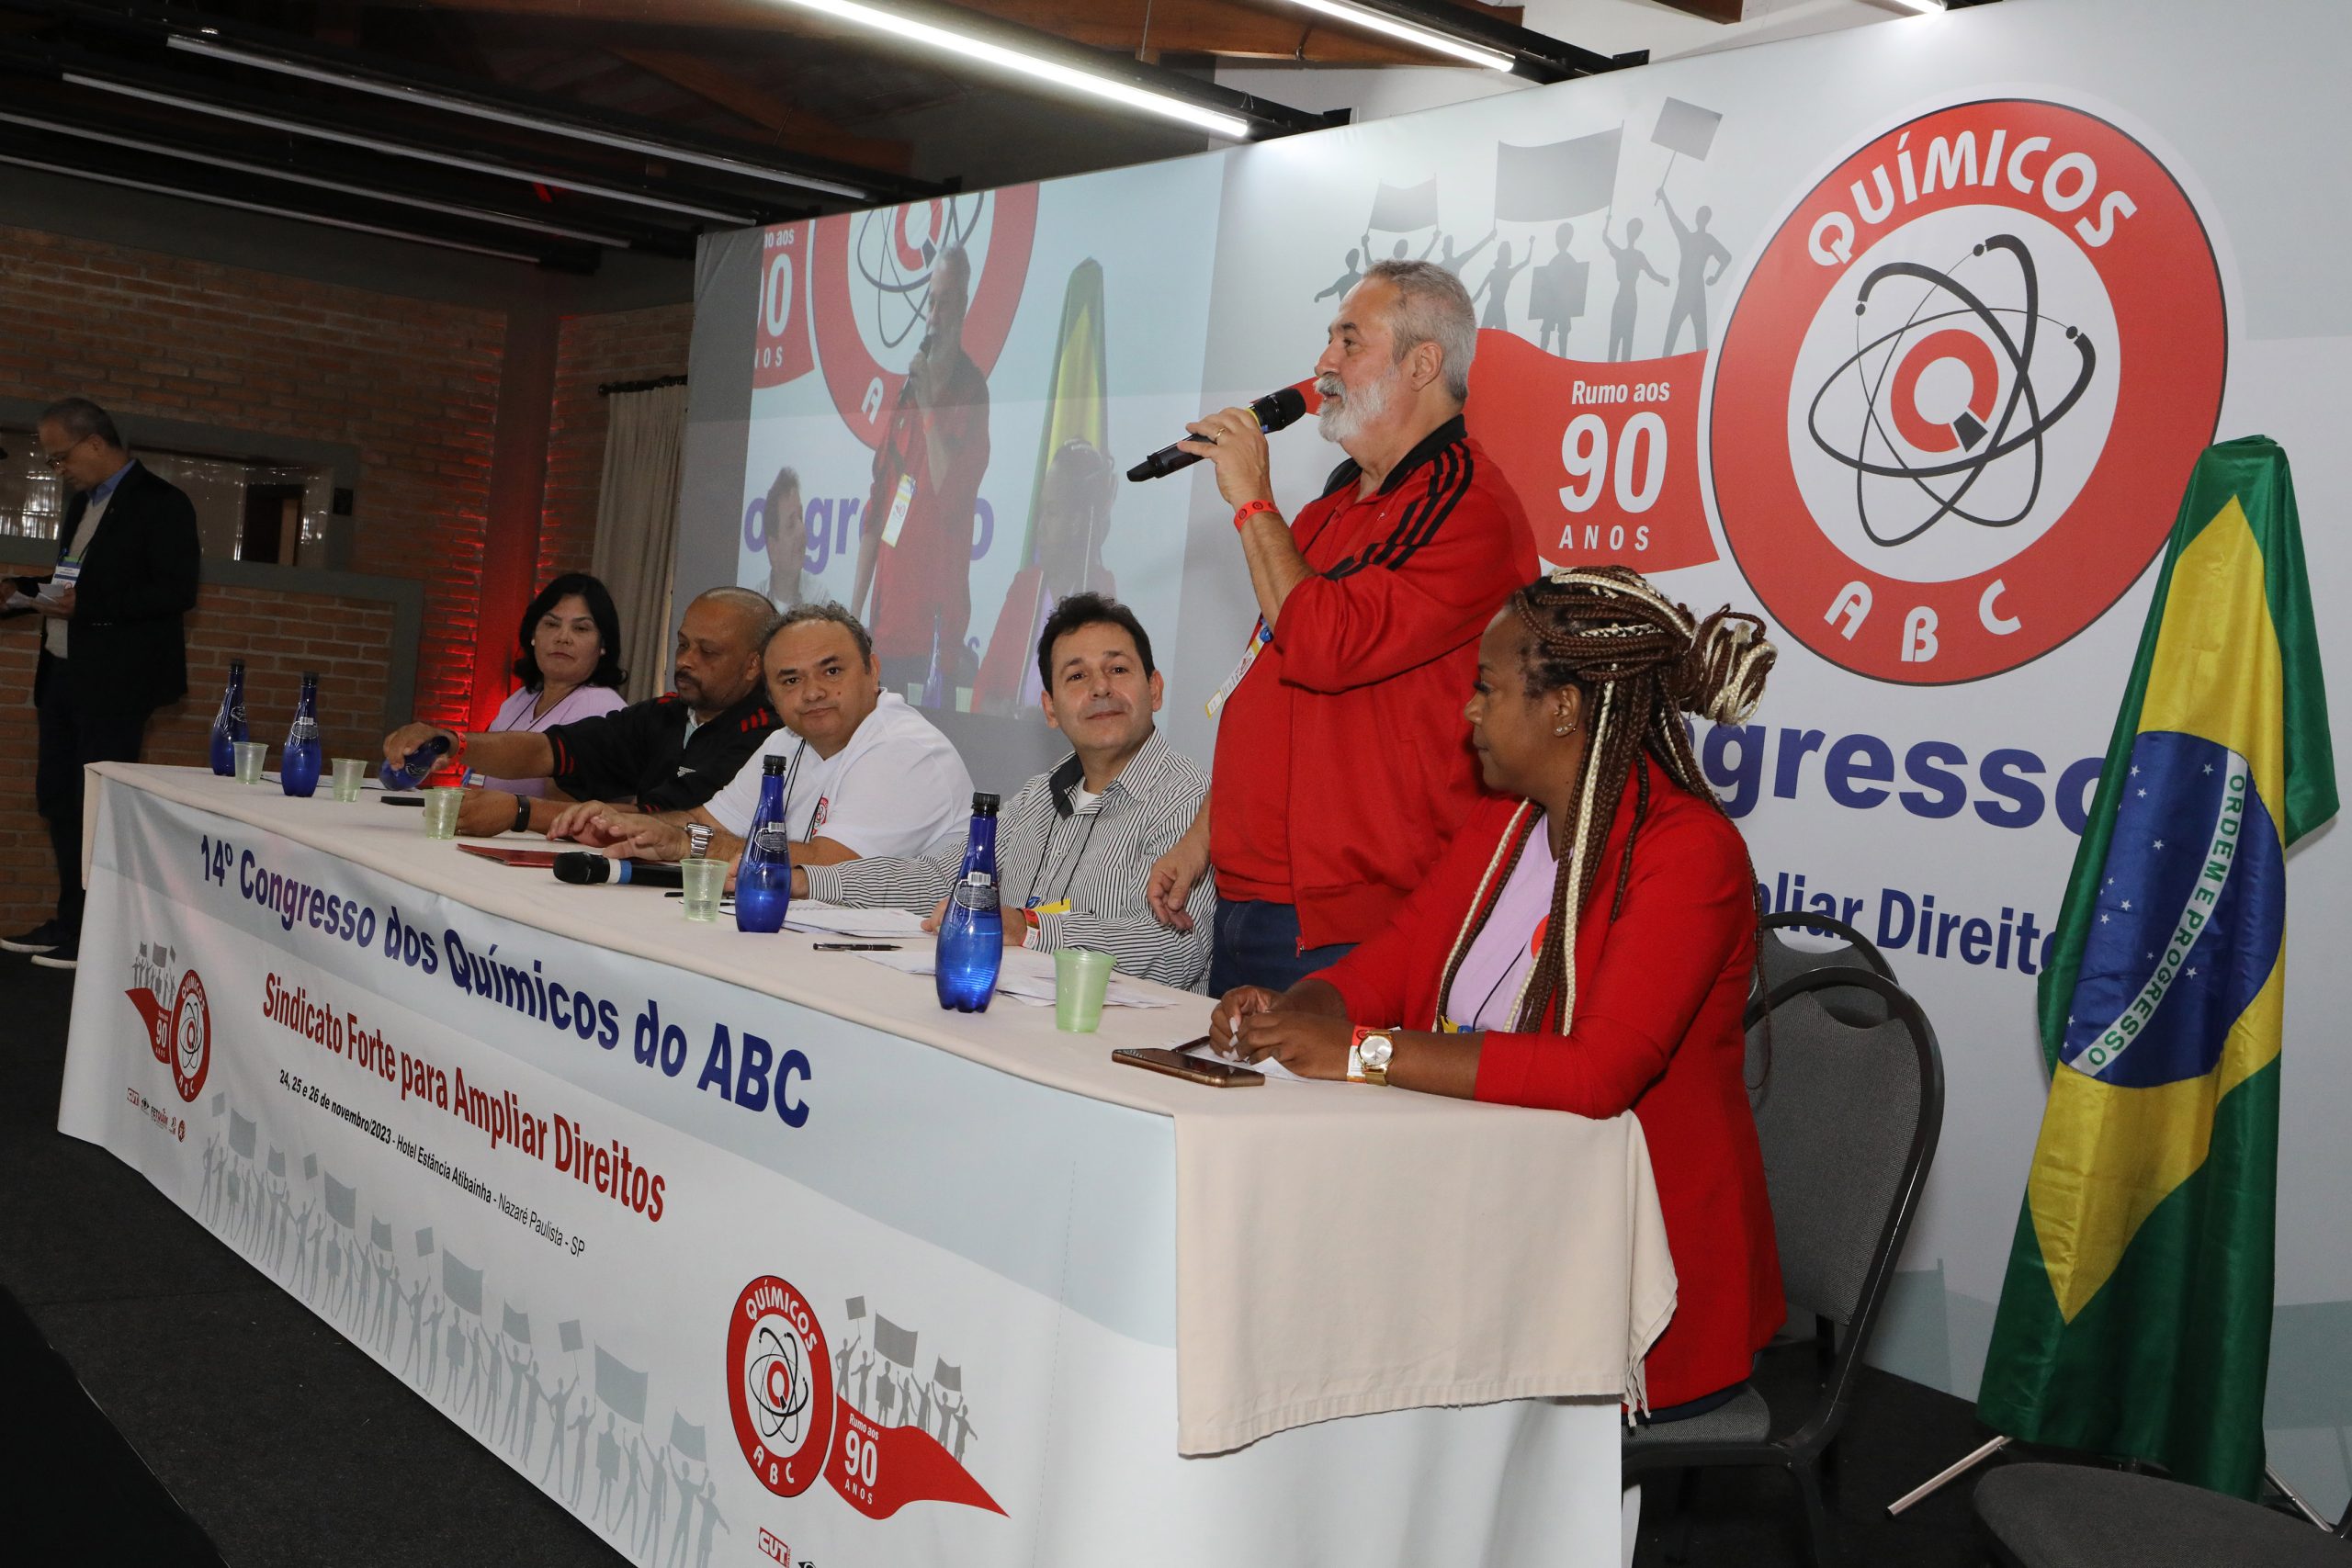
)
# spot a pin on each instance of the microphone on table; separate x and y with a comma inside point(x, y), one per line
point(1275, 411)
point(588, 868)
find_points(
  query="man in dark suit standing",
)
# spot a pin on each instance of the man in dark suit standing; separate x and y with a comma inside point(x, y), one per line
point(113, 649)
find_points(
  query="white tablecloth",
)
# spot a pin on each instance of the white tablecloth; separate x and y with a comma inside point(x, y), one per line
point(1064, 1232)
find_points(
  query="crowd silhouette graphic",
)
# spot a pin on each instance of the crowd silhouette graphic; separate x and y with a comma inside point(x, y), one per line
point(552, 1407)
point(1546, 192)
point(878, 1376)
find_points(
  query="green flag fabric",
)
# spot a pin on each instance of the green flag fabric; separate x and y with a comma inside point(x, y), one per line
point(2135, 1315)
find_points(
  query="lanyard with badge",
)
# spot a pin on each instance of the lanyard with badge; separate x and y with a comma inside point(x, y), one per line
point(1447, 1025)
point(903, 500)
point(791, 777)
point(1030, 905)
point(1259, 635)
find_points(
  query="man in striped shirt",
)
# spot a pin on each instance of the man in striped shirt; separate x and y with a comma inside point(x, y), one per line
point(1076, 845)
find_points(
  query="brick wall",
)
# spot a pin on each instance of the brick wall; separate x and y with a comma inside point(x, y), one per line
point(627, 345)
point(411, 384)
point(279, 635)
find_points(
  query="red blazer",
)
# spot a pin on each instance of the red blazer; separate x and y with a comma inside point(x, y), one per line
point(1657, 1031)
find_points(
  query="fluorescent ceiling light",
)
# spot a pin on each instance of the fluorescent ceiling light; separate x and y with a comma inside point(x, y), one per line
point(1407, 32)
point(71, 172)
point(455, 210)
point(402, 150)
point(1070, 78)
point(668, 152)
point(1923, 6)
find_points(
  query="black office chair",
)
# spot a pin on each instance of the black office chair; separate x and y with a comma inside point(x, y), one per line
point(2074, 1516)
point(1779, 961)
point(1848, 1122)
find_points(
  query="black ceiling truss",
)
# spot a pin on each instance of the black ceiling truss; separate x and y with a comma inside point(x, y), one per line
point(199, 100)
point(795, 179)
point(380, 144)
point(1539, 57)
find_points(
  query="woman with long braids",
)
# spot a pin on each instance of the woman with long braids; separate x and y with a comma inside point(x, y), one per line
point(1584, 943)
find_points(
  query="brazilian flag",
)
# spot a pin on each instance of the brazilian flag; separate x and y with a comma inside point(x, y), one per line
point(2135, 1318)
point(1077, 397)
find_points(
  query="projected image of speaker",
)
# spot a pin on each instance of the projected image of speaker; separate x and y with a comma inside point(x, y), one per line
point(935, 443)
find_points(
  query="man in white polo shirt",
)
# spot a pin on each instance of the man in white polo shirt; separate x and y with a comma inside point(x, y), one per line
point(865, 775)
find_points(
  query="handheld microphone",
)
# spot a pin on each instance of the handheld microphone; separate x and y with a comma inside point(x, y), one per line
point(588, 868)
point(1275, 411)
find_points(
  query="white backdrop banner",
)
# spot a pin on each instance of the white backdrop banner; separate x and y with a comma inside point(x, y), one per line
point(1906, 337)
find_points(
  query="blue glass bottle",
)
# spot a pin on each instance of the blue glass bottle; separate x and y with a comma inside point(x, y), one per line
point(298, 765)
point(417, 767)
point(980, 843)
point(229, 724)
point(971, 930)
point(763, 880)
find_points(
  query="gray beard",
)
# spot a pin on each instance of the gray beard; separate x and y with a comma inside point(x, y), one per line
point(1343, 419)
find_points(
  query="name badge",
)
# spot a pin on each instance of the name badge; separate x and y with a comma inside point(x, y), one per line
point(1257, 640)
point(901, 504)
point(68, 572)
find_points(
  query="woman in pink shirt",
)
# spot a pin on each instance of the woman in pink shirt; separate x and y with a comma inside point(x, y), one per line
point(570, 664)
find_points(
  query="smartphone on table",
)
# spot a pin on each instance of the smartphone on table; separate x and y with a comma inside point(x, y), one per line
point(1191, 1069)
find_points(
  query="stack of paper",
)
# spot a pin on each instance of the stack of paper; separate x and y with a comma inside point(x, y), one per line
point(1028, 977)
point(810, 915)
point(52, 589)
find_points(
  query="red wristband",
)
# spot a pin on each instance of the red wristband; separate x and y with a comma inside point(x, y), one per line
point(1249, 509)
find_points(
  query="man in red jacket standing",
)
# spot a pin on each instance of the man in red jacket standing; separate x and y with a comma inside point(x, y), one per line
point(916, 551)
point(1342, 764)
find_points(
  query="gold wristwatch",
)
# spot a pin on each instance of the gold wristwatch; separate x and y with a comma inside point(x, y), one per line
point(1368, 1056)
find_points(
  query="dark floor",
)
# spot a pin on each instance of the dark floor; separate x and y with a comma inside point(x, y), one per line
point(212, 1391)
point(283, 1442)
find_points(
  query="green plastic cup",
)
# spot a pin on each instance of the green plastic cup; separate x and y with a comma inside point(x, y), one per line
point(1080, 978)
point(249, 760)
point(348, 773)
point(441, 805)
point(705, 880)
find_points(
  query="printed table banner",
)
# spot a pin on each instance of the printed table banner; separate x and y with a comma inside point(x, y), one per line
point(676, 1172)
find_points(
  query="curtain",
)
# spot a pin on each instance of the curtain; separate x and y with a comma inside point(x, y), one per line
point(637, 525)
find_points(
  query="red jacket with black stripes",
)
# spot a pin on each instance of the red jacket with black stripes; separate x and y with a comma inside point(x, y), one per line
point(1343, 763)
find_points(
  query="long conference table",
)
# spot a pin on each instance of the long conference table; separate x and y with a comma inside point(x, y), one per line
point(745, 1252)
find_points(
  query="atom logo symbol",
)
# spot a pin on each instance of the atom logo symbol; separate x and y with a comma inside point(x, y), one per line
point(778, 1394)
point(1962, 388)
point(1940, 417)
point(191, 1027)
point(893, 250)
point(779, 1385)
point(1990, 426)
point(870, 277)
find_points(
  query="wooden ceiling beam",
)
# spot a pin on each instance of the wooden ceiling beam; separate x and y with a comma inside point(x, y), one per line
point(1713, 10)
point(1244, 29)
point(799, 131)
point(1237, 30)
